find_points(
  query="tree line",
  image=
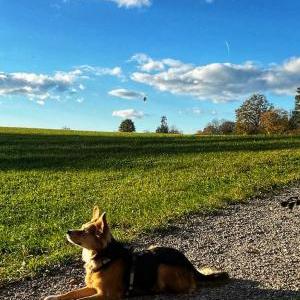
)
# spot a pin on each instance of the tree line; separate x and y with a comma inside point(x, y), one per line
point(255, 115)
point(127, 125)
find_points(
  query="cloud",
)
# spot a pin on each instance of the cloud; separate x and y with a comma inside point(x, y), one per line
point(126, 94)
point(132, 3)
point(128, 114)
point(147, 64)
point(99, 71)
point(41, 87)
point(40, 102)
point(80, 100)
point(197, 111)
point(218, 82)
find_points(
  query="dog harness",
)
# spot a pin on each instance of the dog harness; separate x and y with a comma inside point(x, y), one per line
point(136, 280)
point(141, 268)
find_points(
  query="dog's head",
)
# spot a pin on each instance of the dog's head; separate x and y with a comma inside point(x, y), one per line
point(93, 235)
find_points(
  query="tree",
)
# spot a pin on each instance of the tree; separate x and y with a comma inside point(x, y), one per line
point(294, 122)
point(227, 127)
point(274, 121)
point(163, 128)
point(127, 126)
point(248, 116)
point(219, 127)
point(212, 127)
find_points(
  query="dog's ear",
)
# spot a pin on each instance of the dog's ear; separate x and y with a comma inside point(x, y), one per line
point(96, 213)
point(102, 223)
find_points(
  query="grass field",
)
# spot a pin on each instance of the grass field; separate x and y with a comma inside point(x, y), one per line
point(50, 181)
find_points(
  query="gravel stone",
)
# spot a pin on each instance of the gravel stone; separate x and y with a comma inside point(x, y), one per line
point(257, 243)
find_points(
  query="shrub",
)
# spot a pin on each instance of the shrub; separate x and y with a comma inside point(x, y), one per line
point(227, 127)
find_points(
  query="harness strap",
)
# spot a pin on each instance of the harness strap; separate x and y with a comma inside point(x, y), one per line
point(131, 275)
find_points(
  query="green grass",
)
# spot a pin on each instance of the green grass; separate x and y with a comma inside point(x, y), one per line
point(50, 181)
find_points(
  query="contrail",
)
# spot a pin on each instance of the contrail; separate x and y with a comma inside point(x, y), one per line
point(228, 48)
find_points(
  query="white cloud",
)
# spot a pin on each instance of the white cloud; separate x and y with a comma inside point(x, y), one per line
point(147, 64)
point(197, 111)
point(128, 114)
point(40, 102)
point(132, 3)
point(80, 100)
point(218, 82)
point(81, 87)
point(41, 87)
point(126, 94)
point(99, 71)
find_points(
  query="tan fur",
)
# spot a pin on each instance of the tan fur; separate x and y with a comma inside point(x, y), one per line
point(108, 283)
point(177, 280)
point(93, 237)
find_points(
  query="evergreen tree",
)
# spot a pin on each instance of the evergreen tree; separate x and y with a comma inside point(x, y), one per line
point(163, 128)
point(295, 118)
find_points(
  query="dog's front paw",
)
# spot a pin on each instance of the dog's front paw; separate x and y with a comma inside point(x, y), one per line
point(52, 298)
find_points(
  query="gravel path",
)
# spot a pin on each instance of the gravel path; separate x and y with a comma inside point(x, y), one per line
point(258, 243)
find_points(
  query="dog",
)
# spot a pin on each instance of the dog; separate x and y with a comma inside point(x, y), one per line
point(114, 271)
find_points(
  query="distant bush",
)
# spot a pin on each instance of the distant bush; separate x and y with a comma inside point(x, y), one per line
point(227, 127)
point(127, 126)
point(174, 130)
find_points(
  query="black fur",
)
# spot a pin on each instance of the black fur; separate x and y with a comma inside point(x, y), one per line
point(145, 265)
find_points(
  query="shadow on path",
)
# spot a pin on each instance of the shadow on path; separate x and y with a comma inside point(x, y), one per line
point(236, 289)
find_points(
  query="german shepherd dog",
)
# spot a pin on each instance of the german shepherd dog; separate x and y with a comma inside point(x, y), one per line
point(114, 271)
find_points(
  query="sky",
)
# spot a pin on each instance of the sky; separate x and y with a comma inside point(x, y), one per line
point(89, 64)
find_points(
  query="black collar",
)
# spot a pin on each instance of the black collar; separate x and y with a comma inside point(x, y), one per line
point(113, 251)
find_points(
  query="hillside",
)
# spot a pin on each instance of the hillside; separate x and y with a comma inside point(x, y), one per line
point(51, 179)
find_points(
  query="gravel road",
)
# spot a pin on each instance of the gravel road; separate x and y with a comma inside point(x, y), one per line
point(257, 243)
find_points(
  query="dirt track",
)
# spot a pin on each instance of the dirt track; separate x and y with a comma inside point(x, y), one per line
point(258, 243)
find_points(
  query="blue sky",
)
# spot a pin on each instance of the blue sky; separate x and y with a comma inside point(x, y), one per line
point(87, 64)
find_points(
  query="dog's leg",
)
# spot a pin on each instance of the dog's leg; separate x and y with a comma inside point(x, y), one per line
point(102, 297)
point(73, 295)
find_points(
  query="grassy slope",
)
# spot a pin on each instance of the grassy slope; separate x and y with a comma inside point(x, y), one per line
point(50, 181)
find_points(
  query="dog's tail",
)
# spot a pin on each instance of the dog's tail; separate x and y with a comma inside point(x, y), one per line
point(209, 276)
